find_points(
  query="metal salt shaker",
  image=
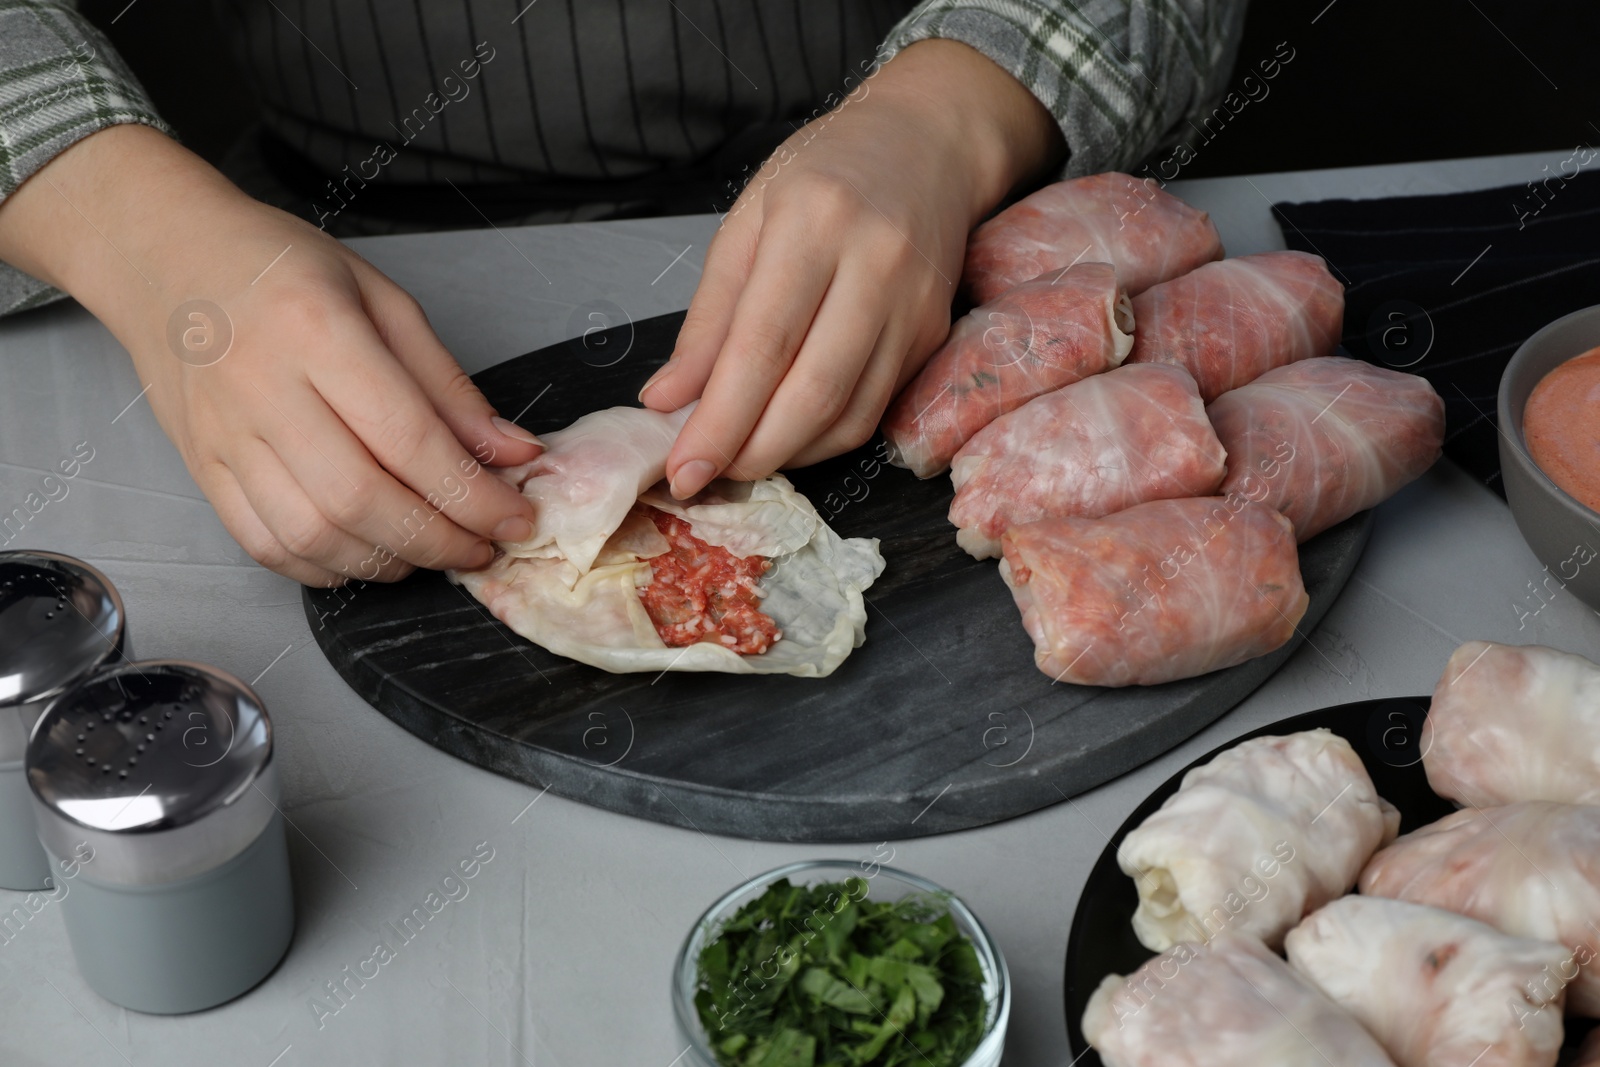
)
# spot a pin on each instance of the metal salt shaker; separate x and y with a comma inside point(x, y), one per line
point(157, 778)
point(60, 621)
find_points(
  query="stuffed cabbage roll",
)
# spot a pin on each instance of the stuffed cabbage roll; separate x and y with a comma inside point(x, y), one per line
point(1531, 869)
point(1146, 233)
point(1435, 988)
point(1032, 340)
point(1164, 590)
point(1515, 722)
point(1097, 446)
point(744, 577)
point(1322, 439)
point(1271, 829)
point(1230, 1003)
point(1231, 321)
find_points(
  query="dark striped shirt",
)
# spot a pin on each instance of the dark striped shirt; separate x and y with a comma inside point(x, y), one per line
point(417, 113)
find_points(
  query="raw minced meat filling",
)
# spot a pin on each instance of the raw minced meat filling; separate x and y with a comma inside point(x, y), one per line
point(700, 592)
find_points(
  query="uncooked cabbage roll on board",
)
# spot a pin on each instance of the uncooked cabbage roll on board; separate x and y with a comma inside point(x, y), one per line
point(1106, 443)
point(1322, 439)
point(745, 577)
point(1231, 321)
point(1035, 338)
point(1437, 989)
point(1269, 830)
point(1159, 591)
point(1146, 233)
point(1529, 869)
point(1515, 722)
point(1230, 1003)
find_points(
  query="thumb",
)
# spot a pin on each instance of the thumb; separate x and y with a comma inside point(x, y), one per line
point(405, 329)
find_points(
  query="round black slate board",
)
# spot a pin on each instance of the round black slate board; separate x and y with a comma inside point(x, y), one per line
point(939, 722)
point(1386, 734)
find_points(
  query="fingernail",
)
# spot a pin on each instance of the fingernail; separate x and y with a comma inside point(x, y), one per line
point(515, 432)
point(481, 558)
point(661, 372)
point(692, 477)
point(514, 529)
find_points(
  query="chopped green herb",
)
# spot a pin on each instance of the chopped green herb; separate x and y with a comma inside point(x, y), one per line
point(821, 976)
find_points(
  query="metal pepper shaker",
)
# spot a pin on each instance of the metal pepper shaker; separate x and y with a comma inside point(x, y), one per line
point(60, 621)
point(157, 778)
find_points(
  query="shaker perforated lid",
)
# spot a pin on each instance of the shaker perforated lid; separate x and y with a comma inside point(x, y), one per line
point(163, 767)
point(60, 619)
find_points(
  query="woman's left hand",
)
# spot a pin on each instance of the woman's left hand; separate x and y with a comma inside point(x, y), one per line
point(830, 281)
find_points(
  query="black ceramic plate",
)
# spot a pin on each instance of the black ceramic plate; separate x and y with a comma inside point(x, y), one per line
point(1384, 733)
point(939, 722)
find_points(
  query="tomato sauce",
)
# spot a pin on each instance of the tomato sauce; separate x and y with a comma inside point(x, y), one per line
point(700, 592)
point(1562, 426)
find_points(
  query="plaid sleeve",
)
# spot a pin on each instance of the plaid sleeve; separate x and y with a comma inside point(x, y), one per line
point(60, 81)
point(1121, 77)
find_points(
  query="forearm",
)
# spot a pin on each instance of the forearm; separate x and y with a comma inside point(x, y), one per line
point(117, 219)
point(1119, 77)
point(1004, 135)
point(60, 82)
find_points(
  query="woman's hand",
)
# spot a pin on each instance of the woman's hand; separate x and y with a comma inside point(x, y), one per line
point(334, 434)
point(830, 281)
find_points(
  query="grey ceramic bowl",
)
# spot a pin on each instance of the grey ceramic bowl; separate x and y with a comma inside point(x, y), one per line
point(1562, 532)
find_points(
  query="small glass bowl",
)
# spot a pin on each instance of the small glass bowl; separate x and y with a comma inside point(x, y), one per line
point(886, 883)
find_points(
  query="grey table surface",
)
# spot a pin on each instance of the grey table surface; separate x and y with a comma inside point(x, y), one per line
point(560, 952)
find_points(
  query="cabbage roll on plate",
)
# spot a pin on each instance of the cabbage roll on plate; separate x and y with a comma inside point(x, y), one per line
point(744, 578)
point(1530, 869)
point(1116, 439)
point(1436, 988)
point(1322, 439)
point(1164, 590)
point(1515, 722)
point(1269, 830)
point(1230, 1003)
point(1146, 233)
point(1034, 339)
point(1231, 321)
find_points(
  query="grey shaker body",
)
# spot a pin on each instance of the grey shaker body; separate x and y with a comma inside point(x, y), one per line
point(159, 779)
point(155, 948)
point(61, 620)
point(23, 864)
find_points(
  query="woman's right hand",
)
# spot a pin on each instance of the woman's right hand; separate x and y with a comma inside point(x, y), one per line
point(312, 402)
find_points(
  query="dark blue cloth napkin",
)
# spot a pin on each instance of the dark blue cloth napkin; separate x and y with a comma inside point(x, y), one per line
point(1449, 286)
